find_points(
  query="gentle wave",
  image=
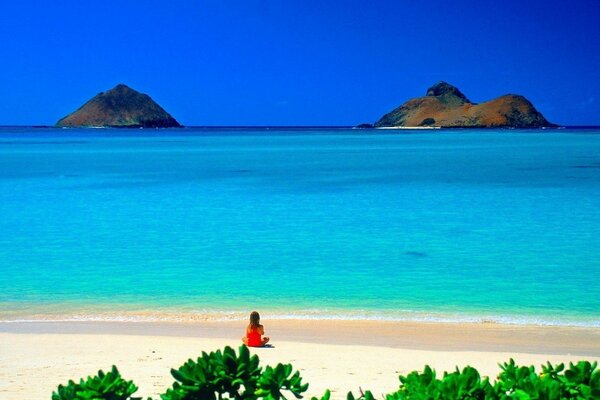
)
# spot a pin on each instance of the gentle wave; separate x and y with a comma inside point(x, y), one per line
point(316, 315)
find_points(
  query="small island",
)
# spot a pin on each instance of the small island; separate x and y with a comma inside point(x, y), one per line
point(444, 106)
point(120, 107)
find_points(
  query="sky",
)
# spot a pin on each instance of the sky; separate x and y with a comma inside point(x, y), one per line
point(305, 62)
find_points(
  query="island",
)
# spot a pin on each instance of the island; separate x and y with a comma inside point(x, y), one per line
point(444, 106)
point(120, 107)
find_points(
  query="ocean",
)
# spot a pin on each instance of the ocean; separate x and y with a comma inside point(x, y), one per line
point(193, 224)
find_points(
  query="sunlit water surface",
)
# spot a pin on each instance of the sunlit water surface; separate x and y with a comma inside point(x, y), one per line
point(194, 223)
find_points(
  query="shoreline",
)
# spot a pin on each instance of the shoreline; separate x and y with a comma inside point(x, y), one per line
point(142, 314)
point(341, 356)
point(492, 337)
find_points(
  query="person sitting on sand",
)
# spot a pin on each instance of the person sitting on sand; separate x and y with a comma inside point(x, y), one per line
point(254, 332)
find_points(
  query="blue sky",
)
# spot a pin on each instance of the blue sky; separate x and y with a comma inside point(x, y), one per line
point(222, 62)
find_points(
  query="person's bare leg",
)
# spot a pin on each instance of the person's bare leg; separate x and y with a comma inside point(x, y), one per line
point(265, 340)
point(245, 340)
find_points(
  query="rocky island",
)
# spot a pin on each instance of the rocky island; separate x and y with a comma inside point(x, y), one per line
point(120, 107)
point(444, 106)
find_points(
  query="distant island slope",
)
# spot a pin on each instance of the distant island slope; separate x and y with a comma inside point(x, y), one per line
point(447, 107)
point(120, 107)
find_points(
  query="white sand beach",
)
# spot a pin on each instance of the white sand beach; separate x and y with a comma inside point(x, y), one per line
point(341, 356)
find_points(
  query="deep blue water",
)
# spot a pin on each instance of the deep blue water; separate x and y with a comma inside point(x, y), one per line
point(449, 225)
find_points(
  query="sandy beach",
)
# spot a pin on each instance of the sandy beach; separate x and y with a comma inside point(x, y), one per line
point(339, 355)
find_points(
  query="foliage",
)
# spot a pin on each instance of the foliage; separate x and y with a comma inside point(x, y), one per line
point(109, 386)
point(363, 396)
point(580, 381)
point(326, 396)
point(458, 385)
point(227, 375)
point(240, 377)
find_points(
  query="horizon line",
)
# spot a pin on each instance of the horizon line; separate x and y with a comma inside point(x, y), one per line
point(271, 127)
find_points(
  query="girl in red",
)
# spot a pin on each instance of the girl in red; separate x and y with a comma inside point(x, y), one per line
point(254, 332)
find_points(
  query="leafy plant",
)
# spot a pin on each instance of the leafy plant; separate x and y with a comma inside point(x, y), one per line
point(109, 386)
point(273, 381)
point(363, 396)
point(458, 385)
point(227, 375)
point(516, 382)
point(326, 396)
point(216, 374)
point(580, 381)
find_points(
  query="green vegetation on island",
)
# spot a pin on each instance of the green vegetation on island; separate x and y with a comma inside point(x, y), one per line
point(226, 375)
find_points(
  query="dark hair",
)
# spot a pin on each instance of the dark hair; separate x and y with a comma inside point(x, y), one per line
point(254, 319)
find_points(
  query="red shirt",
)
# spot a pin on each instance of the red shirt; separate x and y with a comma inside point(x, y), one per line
point(254, 337)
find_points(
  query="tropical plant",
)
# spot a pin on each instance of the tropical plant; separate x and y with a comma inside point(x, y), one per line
point(104, 386)
point(226, 375)
point(363, 396)
point(580, 381)
point(458, 385)
point(326, 396)
point(518, 382)
point(219, 375)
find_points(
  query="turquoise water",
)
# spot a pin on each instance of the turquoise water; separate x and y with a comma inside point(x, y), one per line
point(192, 224)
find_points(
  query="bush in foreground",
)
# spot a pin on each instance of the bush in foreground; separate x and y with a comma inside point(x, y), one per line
point(109, 386)
point(227, 375)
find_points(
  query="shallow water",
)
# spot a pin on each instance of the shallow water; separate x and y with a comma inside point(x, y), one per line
point(195, 223)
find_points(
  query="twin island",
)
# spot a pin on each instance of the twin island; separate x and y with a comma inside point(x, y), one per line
point(443, 106)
